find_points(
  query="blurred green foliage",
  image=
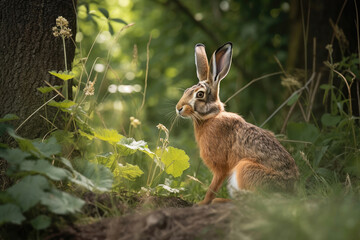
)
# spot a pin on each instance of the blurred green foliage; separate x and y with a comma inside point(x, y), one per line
point(258, 34)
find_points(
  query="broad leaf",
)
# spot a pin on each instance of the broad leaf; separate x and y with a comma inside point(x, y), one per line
point(302, 132)
point(170, 189)
point(104, 12)
point(84, 134)
point(118, 20)
point(109, 160)
point(41, 222)
point(25, 144)
point(108, 135)
point(14, 155)
point(66, 75)
point(330, 120)
point(62, 105)
point(175, 160)
point(45, 168)
point(92, 176)
point(128, 146)
point(48, 89)
point(9, 117)
point(28, 192)
point(61, 202)
point(293, 99)
point(11, 213)
point(48, 148)
point(130, 172)
point(63, 137)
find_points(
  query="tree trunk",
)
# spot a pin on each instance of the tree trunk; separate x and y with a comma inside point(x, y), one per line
point(28, 52)
point(321, 17)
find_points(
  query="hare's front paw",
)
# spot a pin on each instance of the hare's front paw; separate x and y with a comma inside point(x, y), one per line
point(204, 202)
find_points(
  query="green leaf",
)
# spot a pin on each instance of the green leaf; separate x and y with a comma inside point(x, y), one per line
point(41, 222)
point(302, 131)
point(111, 29)
point(48, 89)
point(129, 171)
point(84, 134)
point(25, 144)
point(108, 135)
point(45, 168)
point(9, 117)
point(62, 105)
point(14, 155)
point(176, 161)
point(330, 120)
point(118, 20)
point(61, 202)
point(319, 154)
point(28, 192)
point(293, 99)
point(109, 161)
point(92, 176)
point(326, 86)
point(48, 147)
point(11, 213)
point(63, 137)
point(66, 75)
point(128, 146)
point(104, 12)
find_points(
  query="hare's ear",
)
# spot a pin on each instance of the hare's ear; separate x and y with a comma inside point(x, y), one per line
point(201, 61)
point(220, 63)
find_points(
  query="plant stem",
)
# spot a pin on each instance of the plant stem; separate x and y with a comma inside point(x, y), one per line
point(66, 82)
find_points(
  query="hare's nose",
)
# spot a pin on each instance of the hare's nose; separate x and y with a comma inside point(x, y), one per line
point(179, 110)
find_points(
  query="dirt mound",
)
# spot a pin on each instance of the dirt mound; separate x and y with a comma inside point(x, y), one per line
point(126, 202)
point(204, 222)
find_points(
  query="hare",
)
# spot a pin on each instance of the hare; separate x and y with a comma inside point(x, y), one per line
point(250, 157)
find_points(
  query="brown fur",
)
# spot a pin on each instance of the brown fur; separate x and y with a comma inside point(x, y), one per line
point(228, 143)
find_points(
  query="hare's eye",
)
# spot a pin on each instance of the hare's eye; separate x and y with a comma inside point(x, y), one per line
point(200, 94)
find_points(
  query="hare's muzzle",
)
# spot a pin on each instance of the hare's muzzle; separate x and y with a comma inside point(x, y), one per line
point(179, 110)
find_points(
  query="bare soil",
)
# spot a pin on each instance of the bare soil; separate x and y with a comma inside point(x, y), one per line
point(152, 217)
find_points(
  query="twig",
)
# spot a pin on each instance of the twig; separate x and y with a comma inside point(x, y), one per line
point(146, 72)
point(35, 112)
point(312, 97)
point(52, 87)
point(288, 99)
point(251, 82)
point(287, 118)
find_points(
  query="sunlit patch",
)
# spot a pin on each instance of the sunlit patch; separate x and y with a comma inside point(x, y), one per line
point(137, 87)
point(99, 67)
point(198, 16)
point(224, 5)
point(129, 88)
point(130, 76)
point(79, 36)
point(118, 105)
point(112, 88)
point(103, 37)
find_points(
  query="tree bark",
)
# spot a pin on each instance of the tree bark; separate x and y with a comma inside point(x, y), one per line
point(28, 52)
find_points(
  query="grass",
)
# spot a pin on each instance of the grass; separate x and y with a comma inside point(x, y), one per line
point(336, 216)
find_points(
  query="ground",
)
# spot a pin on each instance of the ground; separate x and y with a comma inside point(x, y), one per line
point(152, 218)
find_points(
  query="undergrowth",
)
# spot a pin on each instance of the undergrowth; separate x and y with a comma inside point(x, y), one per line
point(53, 174)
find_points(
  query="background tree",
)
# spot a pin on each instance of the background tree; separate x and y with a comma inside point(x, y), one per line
point(28, 52)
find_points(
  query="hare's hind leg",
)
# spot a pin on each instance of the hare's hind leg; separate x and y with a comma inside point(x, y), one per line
point(250, 175)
